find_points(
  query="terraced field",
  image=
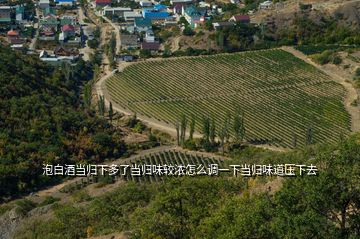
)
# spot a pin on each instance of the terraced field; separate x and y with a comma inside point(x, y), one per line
point(281, 95)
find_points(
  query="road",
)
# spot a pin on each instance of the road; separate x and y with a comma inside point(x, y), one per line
point(117, 34)
point(32, 45)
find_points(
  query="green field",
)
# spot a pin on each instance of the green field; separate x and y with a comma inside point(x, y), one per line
point(281, 96)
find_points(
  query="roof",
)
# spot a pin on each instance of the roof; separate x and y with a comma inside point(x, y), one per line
point(240, 18)
point(142, 22)
point(5, 8)
point(64, 0)
point(159, 7)
point(68, 27)
point(12, 33)
point(223, 24)
point(108, 8)
point(193, 11)
point(154, 14)
point(132, 15)
point(20, 9)
point(103, 1)
point(150, 45)
point(49, 21)
point(126, 39)
point(65, 21)
point(178, 5)
point(48, 10)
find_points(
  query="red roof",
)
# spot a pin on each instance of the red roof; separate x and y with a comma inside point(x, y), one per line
point(103, 1)
point(68, 27)
point(12, 33)
point(241, 18)
point(150, 45)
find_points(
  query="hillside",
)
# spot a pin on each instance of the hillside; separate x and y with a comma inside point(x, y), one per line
point(215, 207)
point(281, 97)
point(42, 120)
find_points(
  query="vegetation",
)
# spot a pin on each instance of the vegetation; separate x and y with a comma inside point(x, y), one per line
point(277, 94)
point(323, 206)
point(43, 120)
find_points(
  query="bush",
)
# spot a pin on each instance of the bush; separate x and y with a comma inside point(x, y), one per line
point(188, 31)
point(24, 206)
point(48, 200)
point(81, 196)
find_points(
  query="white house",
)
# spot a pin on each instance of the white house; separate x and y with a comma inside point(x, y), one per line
point(44, 4)
point(131, 16)
point(145, 3)
point(265, 5)
point(149, 36)
point(115, 11)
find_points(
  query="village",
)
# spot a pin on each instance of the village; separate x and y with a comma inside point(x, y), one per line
point(67, 30)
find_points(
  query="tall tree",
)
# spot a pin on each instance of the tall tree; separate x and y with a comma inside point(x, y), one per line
point(183, 126)
point(111, 112)
point(206, 128)
point(192, 126)
point(212, 131)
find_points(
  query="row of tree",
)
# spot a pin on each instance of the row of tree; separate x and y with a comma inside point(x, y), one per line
point(211, 136)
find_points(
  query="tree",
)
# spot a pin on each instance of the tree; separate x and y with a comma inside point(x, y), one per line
point(111, 112)
point(309, 136)
point(188, 31)
point(177, 128)
point(192, 127)
point(222, 134)
point(206, 129)
point(101, 105)
point(212, 134)
point(183, 126)
point(239, 127)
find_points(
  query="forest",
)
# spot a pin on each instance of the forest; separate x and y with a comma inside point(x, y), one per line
point(43, 120)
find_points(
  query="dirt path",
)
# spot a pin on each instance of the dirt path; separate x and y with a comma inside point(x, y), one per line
point(351, 95)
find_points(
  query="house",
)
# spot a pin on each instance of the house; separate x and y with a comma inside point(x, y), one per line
point(157, 12)
point(181, 1)
point(142, 24)
point(49, 11)
point(126, 58)
point(68, 20)
point(149, 36)
point(220, 25)
point(265, 5)
point(145, 3)
point(68, 30)
point(62, 51)
point(19, 11)
point(49, 21)
point(102, 3)
point(14, 38)
point(131, 16)
point(44, 4)
point(5, 14)
point(115, 11)
point(152, 46)
point(128, 41)
point(177, 8)
point(64, 3)
point(244, 19)
point(55, 60)
point(194, 15)
point(235, 1)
